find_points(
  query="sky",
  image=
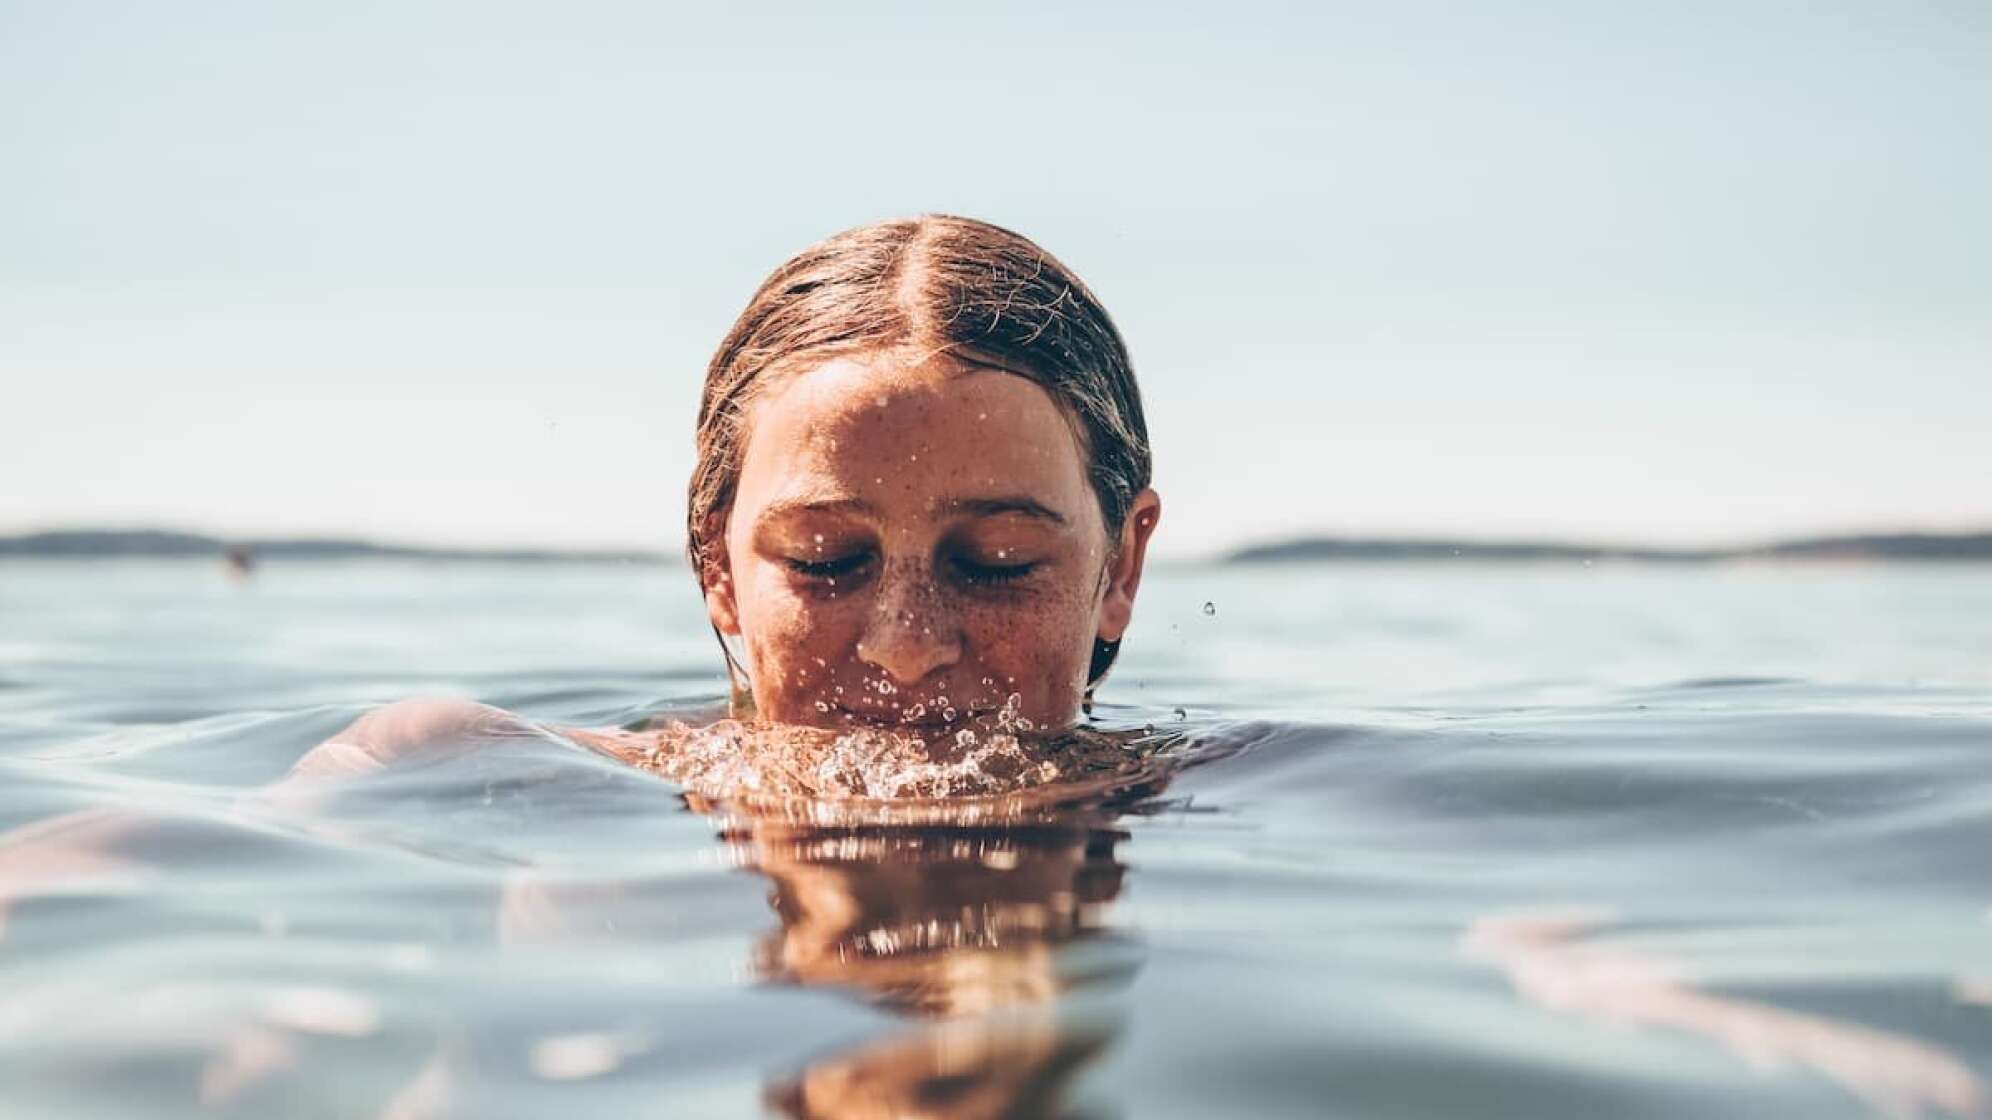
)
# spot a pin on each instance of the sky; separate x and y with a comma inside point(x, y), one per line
point(450, 273)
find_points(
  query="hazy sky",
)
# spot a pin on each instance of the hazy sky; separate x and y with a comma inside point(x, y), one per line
point(451, 272)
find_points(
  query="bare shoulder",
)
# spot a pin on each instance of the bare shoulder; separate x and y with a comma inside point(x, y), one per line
point(435, 729)
point(428, 727)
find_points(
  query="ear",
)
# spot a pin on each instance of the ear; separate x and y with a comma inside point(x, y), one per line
point(1124, 568)
point(716, 580)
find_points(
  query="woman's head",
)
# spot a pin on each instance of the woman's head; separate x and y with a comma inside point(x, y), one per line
point(922, 480)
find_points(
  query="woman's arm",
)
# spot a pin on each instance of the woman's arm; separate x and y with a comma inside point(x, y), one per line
point(103, 848)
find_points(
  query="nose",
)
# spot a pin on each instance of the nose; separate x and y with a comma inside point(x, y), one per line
point(912, 631)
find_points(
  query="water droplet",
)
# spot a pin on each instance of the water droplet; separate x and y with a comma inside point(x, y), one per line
point(1210, 608)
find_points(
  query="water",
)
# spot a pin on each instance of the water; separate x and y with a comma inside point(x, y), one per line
point(1489, 841)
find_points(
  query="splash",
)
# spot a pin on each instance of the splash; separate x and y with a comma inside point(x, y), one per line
point(999, 755)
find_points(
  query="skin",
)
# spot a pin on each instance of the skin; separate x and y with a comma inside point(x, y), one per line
point(910, 540)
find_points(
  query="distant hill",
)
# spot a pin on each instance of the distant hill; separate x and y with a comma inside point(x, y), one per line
point(99, 544)
point(1884, 546)
point(1881, 546)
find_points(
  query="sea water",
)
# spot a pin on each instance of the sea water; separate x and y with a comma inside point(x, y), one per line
point(1424, 840)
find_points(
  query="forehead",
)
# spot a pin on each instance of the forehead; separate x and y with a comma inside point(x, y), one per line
point(933, 430)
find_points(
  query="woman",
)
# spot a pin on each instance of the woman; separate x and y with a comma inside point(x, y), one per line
point(921, 499)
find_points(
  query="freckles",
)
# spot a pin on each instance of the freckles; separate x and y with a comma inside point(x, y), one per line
point(1039, 651)
point(789, 642)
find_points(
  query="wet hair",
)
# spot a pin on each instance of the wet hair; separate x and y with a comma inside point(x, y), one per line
point(925, 287)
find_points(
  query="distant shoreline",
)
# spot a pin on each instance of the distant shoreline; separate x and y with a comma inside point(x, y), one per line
point(1869, 547)
point(115, 544)
point(129, 544)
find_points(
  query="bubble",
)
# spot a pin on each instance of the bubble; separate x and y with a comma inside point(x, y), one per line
point(822, 706)
point(1210, 608)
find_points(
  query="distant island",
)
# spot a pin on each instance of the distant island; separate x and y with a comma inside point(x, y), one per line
point(112, 544)
point(1873, 546)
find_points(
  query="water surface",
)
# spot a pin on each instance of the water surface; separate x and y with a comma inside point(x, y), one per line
point(1518, 841)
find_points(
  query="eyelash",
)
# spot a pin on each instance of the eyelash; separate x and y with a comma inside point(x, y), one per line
point(828, 569)
point(988, 574)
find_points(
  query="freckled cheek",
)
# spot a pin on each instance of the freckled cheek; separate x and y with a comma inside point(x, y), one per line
point(1044, 649)
point(787, 633)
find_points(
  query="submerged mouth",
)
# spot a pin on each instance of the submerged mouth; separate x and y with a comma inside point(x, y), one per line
point(926, 721)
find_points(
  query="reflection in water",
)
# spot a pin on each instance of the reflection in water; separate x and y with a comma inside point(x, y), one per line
point(979, 918)
point(979, 930)
point(1550, 961)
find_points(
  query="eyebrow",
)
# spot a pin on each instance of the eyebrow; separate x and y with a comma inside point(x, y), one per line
point(975, 507)
point(991, 507)
point(792, 506)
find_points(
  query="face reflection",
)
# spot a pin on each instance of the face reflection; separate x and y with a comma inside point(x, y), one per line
point(913, 543)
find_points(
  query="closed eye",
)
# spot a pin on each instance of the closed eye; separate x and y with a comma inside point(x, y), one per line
point(985, 574)
point(827, 569)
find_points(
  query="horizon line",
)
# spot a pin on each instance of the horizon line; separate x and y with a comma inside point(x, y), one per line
point(143, 541)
